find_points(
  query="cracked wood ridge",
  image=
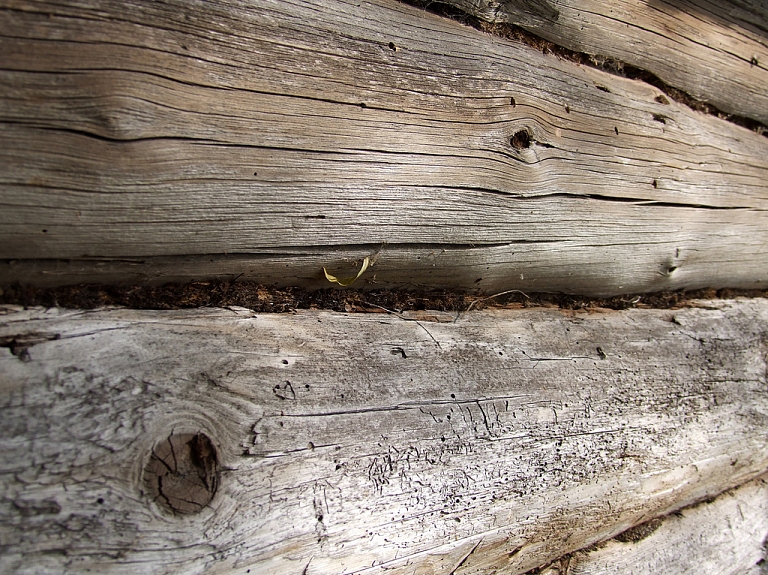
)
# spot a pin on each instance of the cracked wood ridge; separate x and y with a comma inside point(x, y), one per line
point(368, 444)
point(716, 52)
point(150, 142)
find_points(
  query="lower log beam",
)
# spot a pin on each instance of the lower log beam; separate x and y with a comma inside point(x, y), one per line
point(222, 441)
point(724, 536)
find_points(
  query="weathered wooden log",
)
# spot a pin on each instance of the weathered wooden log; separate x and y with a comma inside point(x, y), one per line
point(724, 536)
point(156, 141)
point(222, 441)
point(716, 52)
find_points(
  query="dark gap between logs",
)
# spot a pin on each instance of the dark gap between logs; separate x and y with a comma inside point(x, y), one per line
point(264, 299)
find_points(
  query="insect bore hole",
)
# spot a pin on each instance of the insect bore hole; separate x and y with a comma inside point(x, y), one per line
point(521, 140)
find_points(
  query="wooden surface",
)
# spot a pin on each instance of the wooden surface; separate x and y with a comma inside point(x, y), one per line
point(716, 52)
point(489, 443)
point(725, 536)
point(267, 140)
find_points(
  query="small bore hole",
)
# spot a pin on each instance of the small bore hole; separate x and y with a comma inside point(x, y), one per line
point(615, 129)
point(567, 109)
point(521, 140)
point(392, 47)
point(655, 184)
point(512, 102)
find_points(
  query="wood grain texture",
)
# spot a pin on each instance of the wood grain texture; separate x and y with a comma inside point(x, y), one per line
point(725, 536)
point(274, 138)
point(370, 443)
point(715, 51)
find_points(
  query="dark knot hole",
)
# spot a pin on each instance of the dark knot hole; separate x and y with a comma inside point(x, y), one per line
point(182, 474)
point(521, 140)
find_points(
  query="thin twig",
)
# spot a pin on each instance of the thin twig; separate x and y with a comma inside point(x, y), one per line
point(397, 313)
point(496, 295)
point(401, 316)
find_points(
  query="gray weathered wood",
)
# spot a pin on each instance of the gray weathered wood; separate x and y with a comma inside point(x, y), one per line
point(369, 443)
point(224, 138)
point(725, 536)
point(715, 51)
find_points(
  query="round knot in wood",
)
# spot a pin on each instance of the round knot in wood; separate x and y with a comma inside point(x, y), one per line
point(520, 140)
point(182, 474)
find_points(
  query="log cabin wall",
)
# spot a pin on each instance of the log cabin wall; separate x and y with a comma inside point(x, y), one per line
point(267, 141)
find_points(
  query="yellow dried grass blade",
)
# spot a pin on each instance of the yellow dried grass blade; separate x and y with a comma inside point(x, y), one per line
point(348, 281)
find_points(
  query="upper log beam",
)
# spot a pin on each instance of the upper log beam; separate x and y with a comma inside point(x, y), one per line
point(293, 137)
point(716, 52)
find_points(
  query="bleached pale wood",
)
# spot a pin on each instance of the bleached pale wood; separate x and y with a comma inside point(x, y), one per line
point(715, 51)
point(218, 139)
point(491, 444)
point(725, 536)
